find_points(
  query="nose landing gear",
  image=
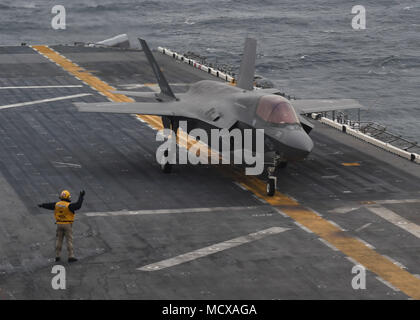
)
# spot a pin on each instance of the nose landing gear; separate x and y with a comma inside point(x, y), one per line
point(271, 186)
point(272, 172)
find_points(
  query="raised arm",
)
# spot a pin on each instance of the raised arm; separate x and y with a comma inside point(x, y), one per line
point(77, 205)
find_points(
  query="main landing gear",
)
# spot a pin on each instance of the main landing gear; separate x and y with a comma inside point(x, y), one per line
point(166, 166)
point(271, 185)
point(272, 172)
point(172, 124)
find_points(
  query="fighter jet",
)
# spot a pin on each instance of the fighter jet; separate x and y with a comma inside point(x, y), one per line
point(212, 104)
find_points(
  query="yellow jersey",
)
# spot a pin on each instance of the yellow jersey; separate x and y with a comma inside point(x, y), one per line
point(62, 213)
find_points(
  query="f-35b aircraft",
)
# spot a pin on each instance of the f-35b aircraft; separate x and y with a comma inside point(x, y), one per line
point(212, 104)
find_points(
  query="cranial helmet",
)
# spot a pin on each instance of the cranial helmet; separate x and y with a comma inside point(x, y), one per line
point(65, 195)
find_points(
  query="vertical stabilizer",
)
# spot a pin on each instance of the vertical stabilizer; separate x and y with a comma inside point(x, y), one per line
point(165, 89)
point(247, 69)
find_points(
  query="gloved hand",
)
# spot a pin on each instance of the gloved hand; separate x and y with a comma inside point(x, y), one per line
point(82, 193)
point(40, 205)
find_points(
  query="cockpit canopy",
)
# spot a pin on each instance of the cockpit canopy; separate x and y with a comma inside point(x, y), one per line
point(275, 109)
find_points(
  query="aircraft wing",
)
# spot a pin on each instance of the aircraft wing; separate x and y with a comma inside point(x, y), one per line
point(322, 105)
point(183, 109)
point(146, 108)
point(146, 94)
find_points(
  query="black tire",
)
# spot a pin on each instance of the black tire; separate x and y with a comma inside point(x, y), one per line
point(271, 187)
point(283, 164)
point(166, 167)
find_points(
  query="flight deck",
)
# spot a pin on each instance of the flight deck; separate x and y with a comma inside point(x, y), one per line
point(202, 231)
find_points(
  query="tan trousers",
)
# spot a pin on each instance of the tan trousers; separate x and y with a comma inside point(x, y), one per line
point(64, 230)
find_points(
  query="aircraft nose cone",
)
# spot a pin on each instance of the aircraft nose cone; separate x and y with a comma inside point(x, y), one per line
point(300, 142)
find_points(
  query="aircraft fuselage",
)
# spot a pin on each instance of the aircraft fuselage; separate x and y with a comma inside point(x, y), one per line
point(287, 140)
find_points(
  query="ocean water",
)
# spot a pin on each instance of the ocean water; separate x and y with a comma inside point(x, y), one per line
point(307, 48)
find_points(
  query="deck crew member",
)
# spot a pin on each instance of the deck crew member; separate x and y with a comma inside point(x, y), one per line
point(64, 212)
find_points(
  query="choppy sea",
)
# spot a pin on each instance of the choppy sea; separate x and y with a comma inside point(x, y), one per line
point(307, 48)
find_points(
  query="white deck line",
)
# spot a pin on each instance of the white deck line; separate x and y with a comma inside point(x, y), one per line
point(397, 201)
point(329, 245)
point(42, 87)
point(23, 104)
point(168, 211)
point(302, 227)
point(387, 284)
point(196, 254)
point(65, 164)
point(363, 227)
point(395, 219)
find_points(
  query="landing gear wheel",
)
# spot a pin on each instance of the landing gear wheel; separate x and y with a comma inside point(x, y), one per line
point(166, 167)
point(271, 187)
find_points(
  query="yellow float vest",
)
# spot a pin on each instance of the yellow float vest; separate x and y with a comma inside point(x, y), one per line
point(62, 213)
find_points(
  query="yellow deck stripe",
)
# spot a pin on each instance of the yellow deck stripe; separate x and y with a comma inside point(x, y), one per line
point(352, 247)
point(90, 79)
